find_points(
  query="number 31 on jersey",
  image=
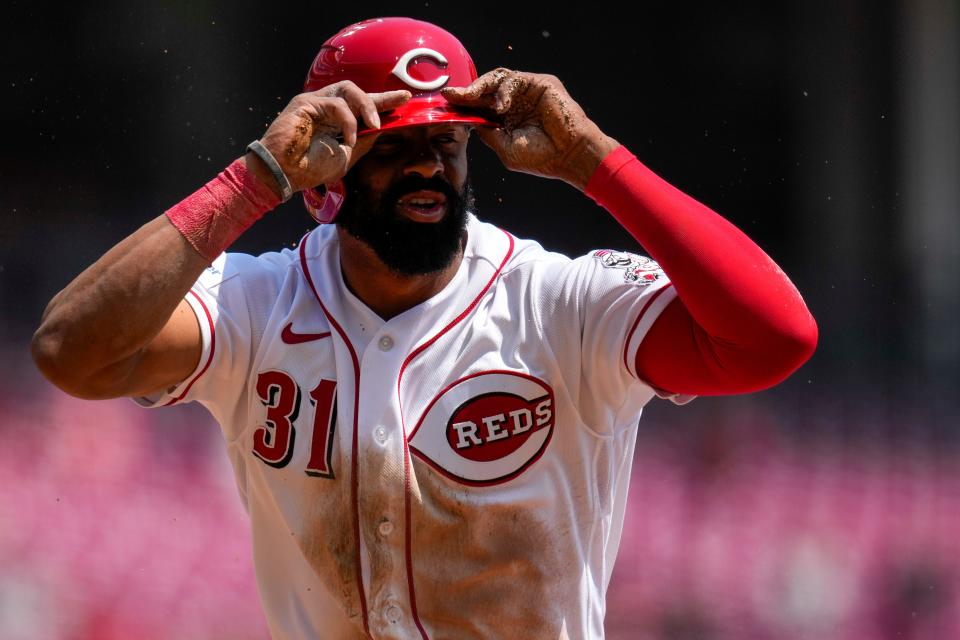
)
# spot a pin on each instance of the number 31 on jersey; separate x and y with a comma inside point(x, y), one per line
point(273, 441)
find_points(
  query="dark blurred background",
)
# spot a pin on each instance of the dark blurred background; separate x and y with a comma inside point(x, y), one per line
point(828, 507)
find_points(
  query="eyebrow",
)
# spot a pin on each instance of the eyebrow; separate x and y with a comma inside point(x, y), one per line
point(452, 131)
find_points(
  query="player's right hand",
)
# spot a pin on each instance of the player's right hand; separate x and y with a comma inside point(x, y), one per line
point(314, 139)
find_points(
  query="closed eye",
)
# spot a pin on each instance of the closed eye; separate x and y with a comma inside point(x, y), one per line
point(386, 141)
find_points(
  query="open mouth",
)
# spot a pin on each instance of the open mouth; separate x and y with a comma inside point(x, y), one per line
point(423, 206)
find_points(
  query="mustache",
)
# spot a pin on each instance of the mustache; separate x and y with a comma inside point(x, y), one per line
point(411, 183)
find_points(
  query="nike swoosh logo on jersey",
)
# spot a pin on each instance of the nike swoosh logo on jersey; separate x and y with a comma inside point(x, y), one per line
point(289, 337)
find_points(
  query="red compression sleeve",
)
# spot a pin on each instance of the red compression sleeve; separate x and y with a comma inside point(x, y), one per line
point(738, 323)
point(216, 214)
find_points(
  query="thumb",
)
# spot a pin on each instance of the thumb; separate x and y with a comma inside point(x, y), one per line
point(496, 138)
point(364, 144)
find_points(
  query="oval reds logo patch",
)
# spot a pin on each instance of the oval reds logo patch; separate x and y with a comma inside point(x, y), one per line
point(486, 428)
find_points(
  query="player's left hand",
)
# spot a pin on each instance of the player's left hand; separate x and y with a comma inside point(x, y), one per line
point(544, 131)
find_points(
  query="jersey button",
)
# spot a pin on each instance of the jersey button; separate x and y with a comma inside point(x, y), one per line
point(381, 434)
point(393, 614)
point(386, 343)
point(385, 528)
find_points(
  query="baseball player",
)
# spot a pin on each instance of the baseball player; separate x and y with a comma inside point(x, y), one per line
point(431, 421)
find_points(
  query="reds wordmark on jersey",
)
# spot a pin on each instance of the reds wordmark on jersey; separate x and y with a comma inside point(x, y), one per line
point(459, 471)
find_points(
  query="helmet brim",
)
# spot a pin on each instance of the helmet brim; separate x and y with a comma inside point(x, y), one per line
point(427, 110)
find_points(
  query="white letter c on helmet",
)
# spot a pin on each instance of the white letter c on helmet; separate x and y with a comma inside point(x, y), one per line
point(400, 70)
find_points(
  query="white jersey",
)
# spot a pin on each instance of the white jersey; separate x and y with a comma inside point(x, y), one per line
point(459, 471)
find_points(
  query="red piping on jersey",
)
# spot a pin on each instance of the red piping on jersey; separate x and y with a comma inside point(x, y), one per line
point(406, 446)
point(354, 498)
point(636, 323)
point(213, 345)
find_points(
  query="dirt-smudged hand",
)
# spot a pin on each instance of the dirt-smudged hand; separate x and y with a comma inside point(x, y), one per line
point(543, 132)
point(314, 138)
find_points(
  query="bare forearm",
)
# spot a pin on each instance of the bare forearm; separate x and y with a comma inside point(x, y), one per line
point(118, 304)
point(115, 330)
point(112, 331)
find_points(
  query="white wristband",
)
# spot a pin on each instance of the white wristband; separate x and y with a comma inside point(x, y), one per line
point(264, 154)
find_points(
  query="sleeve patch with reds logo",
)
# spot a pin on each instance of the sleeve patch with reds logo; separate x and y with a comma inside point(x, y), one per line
point(637, 269)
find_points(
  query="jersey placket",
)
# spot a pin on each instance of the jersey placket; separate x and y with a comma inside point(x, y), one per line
point(380, 475)
point(381, 485)
point(376, 461)
point(384, 480)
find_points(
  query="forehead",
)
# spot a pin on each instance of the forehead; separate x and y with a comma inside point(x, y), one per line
point(429, 130)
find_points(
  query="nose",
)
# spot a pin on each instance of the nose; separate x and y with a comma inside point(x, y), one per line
point(425, 161)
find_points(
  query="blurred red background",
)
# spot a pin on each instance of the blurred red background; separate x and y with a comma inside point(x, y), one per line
point(828, 508)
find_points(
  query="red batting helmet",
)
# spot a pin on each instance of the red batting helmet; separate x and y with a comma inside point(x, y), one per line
point(384, 54)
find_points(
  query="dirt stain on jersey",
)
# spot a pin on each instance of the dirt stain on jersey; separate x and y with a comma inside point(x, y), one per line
point(380, 549)
point(488, 570)
point(327, 541)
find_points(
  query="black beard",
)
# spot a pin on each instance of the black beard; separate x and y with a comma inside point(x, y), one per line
point(408, 248)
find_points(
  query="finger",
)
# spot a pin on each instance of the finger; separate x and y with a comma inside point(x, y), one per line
point(336, 90)
point(331, 113)
point(485, 101)
point(360, 104)
point(348, 122)
point(330, 116)
point(478, 92)
point(495, 138)
point(390, 99)
point(337, 110)
point(504, 97)
point(517, 85)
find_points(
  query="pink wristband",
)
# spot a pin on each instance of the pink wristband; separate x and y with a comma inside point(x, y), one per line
point(218, 212)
